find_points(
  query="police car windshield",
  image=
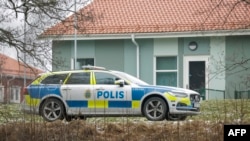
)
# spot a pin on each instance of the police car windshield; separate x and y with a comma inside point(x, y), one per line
point(130, 78)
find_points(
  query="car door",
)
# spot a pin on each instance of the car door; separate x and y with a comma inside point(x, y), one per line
point(77, 90)
point(111, 98)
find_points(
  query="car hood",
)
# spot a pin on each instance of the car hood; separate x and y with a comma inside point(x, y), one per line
point(169, 88)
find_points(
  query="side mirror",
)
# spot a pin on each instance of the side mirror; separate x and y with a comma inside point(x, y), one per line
point(120, 82)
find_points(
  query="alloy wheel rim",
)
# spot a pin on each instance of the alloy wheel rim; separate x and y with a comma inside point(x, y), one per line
point(154, 109)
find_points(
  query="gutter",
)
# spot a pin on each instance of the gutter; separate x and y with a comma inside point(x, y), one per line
point(148, 35)
point(137, 55)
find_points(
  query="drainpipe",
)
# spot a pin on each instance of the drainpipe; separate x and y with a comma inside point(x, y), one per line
point(137, 56)
point(8, 88)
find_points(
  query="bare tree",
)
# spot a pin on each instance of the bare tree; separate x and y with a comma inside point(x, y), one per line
point(239, 60)
point(22, 21)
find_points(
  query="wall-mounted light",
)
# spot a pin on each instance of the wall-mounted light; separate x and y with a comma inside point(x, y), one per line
point(193, 46)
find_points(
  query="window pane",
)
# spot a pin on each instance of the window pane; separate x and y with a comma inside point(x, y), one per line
point(85, 61)
point(166, 78)
point(17, 93)
point(105, 78)
point(54, 79)
point(166, 63)
point(79, 78)
point(12, 93)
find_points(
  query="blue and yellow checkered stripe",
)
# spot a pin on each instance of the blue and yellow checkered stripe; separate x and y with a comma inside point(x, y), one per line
point(99, 104)
point(134, 103)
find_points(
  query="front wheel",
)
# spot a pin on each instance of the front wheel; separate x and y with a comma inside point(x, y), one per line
point(52, 109)
point(155, 109)
point(175, 117)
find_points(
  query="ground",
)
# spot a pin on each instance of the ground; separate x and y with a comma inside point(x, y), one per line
point(101, 130)
point(208, 126)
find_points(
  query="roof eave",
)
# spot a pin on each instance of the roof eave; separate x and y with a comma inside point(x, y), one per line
point(150, 35)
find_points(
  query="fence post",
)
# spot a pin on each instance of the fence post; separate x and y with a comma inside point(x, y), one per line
point(235, 94)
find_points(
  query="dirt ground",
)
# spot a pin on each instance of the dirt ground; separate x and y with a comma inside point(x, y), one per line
point(84, 130)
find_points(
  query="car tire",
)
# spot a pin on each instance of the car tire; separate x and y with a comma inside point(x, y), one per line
point(155, 109)
point(176, 117)
point(52, 109)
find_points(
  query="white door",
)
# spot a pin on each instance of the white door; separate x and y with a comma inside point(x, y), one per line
point(111, 98)
point(195, 74)
point(77, 92)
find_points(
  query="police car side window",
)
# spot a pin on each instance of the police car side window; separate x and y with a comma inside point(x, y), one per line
point(105, 78)
point(79, 78)
point(54, 79)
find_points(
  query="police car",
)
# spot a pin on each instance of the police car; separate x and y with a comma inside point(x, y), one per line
point(95, 91)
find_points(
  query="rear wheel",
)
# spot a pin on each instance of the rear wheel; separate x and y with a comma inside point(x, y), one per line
point(155, 109)
point(52, 109)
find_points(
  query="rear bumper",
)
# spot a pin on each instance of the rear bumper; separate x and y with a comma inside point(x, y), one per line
point(29, 109)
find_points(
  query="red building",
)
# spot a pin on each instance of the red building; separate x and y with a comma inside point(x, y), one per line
point(13, 75)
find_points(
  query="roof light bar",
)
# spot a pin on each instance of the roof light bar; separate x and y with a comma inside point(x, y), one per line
point(88, 67)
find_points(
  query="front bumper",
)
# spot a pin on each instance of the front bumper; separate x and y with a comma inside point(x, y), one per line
point(187, 106)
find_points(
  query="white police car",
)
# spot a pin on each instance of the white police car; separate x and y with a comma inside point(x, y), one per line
point(95, 91)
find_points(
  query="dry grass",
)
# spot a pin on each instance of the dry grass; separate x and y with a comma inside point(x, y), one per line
point(208, 126)
point(131, 131)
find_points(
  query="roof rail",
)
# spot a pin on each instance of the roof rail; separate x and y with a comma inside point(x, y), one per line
point(89, 67)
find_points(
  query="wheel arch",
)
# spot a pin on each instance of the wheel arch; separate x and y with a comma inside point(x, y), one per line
point(52, 97)
point(153, 95)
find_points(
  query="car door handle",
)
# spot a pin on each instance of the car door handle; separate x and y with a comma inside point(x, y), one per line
point(66, 89)
point(99, 89)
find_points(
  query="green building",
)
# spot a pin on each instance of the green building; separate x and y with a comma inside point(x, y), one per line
point(194, 44)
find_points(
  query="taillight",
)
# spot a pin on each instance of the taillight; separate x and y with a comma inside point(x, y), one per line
point(25, 91)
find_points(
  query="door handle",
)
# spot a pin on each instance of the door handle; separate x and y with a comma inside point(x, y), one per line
point(66, 89)
point(100, 89)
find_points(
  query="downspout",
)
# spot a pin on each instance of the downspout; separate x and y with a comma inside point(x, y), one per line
point(137, 56)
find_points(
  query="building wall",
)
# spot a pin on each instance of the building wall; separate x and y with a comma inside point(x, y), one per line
point(62, 54)
point(165, 48)
point(130, 57)
point(203, 46)
point(110, 54)
point(121, 55)
point(216, 78)
point(237, 64)
point(146, 60)
point(85, 49)
point(180, 61)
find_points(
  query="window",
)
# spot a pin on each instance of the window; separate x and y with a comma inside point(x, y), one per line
point(79, 78)
point(105, 78)
point(12, 93)
point(15, 92)
point(54, 79)
point(85, 61)
point(166, 71)
point(1, 93)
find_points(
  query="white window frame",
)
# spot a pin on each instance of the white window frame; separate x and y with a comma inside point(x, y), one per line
point(15, 95)
point(177, 68)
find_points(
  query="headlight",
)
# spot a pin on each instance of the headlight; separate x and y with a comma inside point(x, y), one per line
point(178, 94)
